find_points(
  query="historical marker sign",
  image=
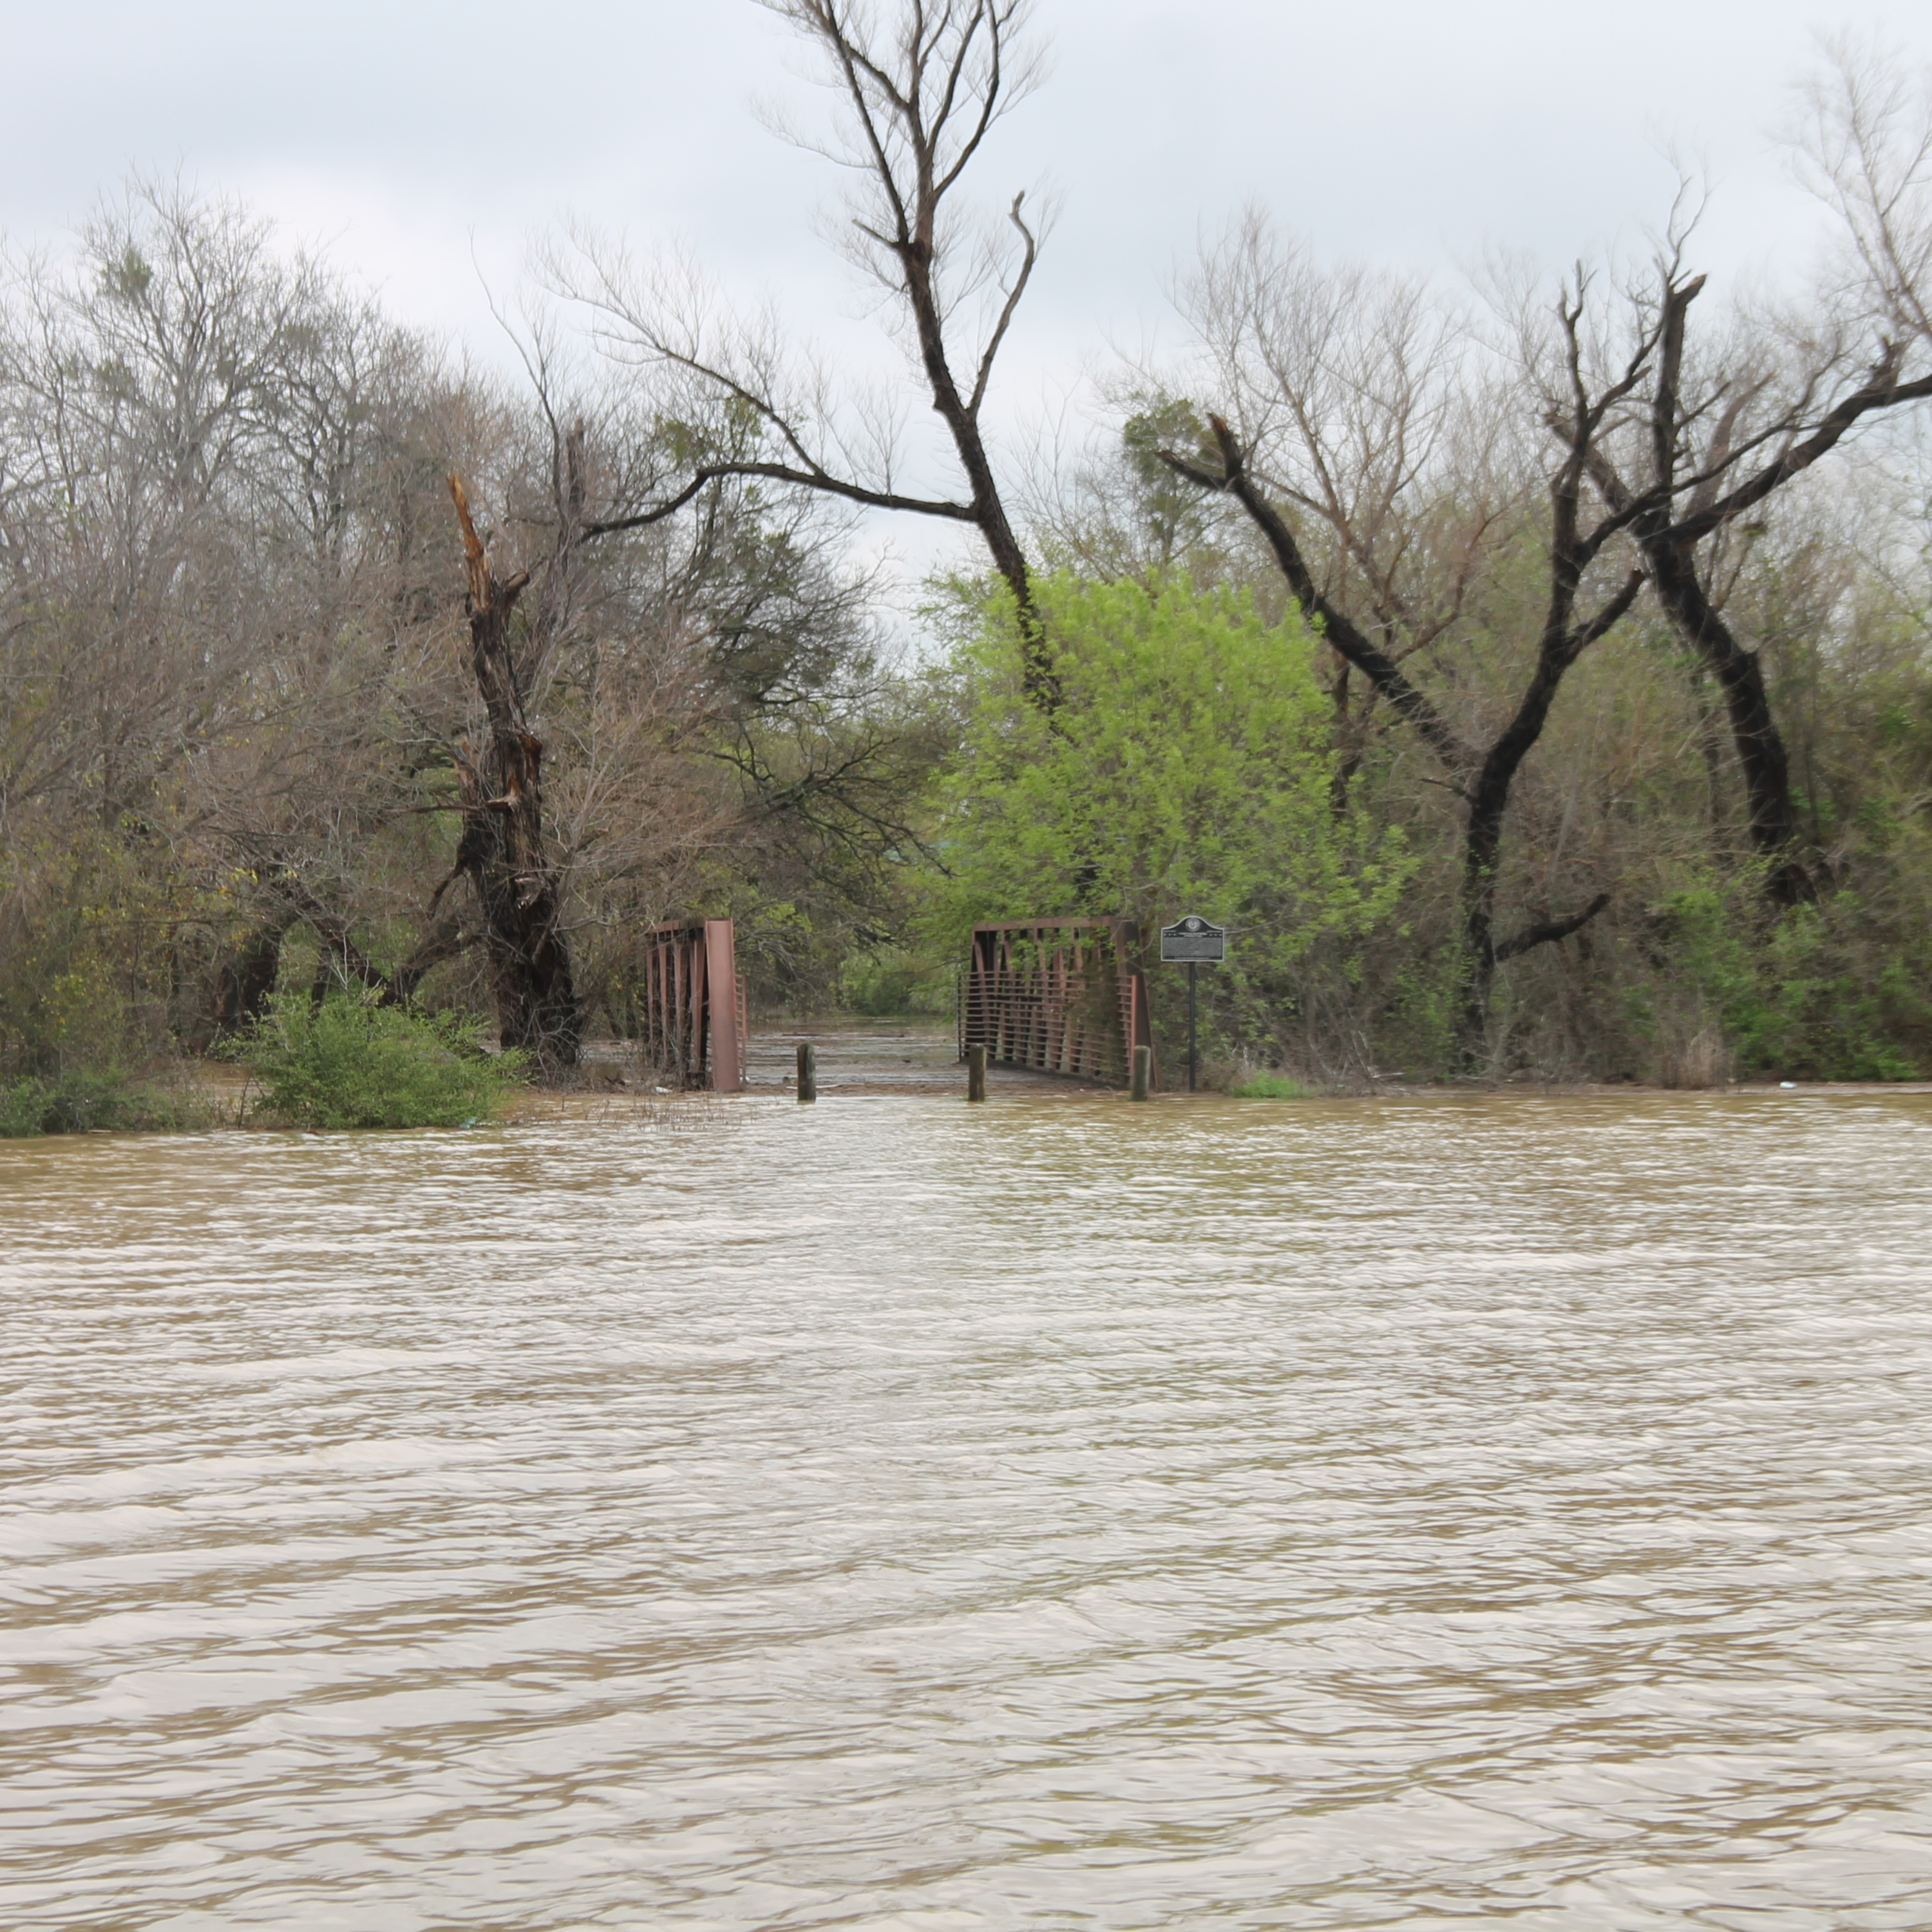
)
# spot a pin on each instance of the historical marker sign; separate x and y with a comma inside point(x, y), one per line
point(1193, 942)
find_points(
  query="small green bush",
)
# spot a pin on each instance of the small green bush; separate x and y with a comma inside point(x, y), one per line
point(87, 1097)
point(347, 1062)
point(1819, 992)
point(69, 1102)
point(1271, 1086)
point(79, 1099)
point(23, 1108)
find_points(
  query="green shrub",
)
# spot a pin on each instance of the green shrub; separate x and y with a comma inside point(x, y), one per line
point(85, 1097)
point(79, 1099)
point(347, 1062)
point(23, 1108)
point(893, 982)
point(69, 1103)
point(1189, 765)
point(1271, 1086)
point(1820, 991)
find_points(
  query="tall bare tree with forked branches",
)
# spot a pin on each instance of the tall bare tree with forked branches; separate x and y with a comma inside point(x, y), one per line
point(922, 83)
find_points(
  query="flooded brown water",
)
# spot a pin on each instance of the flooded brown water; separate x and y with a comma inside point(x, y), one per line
point(893, 1514)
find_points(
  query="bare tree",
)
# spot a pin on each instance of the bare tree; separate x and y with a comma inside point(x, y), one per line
point(1862, 143)
point(1373, 409)
point(1722, 434)
point(503, 849)
point(662, 629)
point(242, 733)
point(134, 386)
point(923, 84)
point(195, 430)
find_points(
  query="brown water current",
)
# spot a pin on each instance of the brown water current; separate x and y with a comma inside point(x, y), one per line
point(1407, 1513)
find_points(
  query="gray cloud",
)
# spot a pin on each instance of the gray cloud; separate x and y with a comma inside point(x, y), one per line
point(414, 134)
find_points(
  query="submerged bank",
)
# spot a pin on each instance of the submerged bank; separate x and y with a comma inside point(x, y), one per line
point(856, 1055)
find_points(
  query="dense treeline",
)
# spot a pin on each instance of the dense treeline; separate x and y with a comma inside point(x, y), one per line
point(246, 739)
point(1536, 678)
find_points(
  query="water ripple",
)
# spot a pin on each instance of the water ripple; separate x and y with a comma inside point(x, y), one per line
point(892, 1514)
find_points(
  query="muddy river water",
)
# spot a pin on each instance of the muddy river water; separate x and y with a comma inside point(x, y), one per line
point(894, 1514)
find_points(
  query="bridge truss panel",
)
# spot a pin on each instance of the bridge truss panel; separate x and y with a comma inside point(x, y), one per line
point(690, 1007)
point(1058, 995)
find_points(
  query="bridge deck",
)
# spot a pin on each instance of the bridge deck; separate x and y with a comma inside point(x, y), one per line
point(857, 1055)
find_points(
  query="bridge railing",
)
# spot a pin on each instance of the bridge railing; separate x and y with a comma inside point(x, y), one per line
point(688, 1003)
point(1058, 995)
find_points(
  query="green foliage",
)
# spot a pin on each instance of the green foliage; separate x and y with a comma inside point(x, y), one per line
point(1187, 768)
point(80, 978)
point(893, 981)
point(1820, 1006)
point(1820, 991)
point(1271, 1086)
point(1173, 513)
point(83, 987)
point(23, 1108)
point(347, 1062)
point(79, 1100)
point(1419, 1026)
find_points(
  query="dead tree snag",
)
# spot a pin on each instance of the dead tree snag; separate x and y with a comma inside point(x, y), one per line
point(502, 847)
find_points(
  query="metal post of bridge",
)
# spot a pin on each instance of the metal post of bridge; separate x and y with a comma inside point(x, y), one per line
point(807, 1072)
point(975, 1073)
point(718, 960)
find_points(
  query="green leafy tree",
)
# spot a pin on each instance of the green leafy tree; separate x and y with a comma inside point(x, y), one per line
point(1189, 767)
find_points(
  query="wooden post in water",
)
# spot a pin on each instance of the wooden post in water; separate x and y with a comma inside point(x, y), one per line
point(807, 1072)
point(975, 1073)
point(1141, 1087)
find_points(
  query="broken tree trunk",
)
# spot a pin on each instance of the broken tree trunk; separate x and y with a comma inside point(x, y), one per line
point(503, 848)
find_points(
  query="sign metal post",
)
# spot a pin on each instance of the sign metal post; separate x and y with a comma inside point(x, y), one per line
point(1195, 942)
point(1193, 1014)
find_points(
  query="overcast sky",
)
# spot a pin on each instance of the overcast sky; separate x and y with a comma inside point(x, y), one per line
point(420, 138)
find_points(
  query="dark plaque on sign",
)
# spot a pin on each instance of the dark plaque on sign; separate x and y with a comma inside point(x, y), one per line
point(1194, 942)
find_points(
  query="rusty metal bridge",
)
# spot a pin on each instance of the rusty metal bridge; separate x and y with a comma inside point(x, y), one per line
point(1063, 996)
point(1053, 996)
point(688, 1003)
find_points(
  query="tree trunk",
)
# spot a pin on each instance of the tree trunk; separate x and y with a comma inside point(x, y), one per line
point(1771, 818)
point(1488, 800)
point(502, 847)
point(961, 418)
point(1485, 778)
